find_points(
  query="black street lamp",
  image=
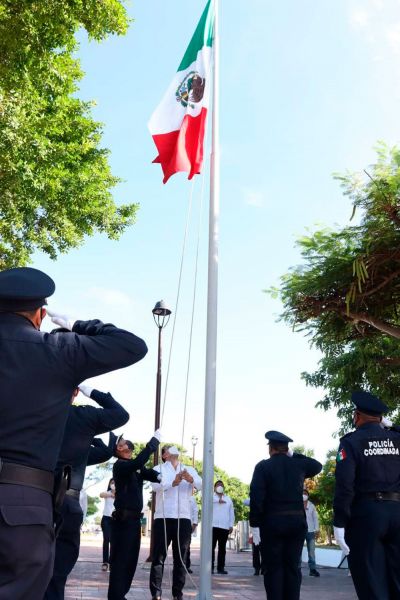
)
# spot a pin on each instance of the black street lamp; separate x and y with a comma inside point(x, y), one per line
point(161, 315)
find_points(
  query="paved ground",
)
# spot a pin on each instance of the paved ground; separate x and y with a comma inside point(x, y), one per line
point(88, 582)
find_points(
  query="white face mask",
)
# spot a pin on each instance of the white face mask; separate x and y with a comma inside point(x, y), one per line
point(219, 489)
point(305, 497)
point(112, 487)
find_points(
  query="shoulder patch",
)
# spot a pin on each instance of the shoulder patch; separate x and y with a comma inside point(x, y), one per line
point(341, 455)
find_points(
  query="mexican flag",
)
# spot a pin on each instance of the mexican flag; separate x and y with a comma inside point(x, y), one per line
point(178, 123)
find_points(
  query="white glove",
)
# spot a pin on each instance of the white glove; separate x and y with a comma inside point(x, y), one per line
point(61, 320)
point(157, 435)
point(338, 532)
point(386, 423)
point(256, 536)
point(85, 389)
point(290, 452)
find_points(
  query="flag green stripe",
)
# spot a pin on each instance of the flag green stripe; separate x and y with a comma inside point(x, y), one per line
point(203, 36)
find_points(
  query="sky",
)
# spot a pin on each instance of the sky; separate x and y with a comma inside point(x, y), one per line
point(307, 89)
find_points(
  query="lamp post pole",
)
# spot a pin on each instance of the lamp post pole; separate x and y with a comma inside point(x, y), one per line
point(194, 442)
point(161, 315)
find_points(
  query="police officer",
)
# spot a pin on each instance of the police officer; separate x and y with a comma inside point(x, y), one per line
point(277, 515)
point(38, 374)
point(367, 501)
point(129, 474)
point(83, 423)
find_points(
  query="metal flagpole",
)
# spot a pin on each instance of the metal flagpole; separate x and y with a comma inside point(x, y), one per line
point(211, 349)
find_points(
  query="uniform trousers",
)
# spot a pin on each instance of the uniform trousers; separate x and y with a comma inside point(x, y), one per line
point(125, 546)
point(179, 550)
point(282, 539)
point(106, 529)
point(373, 536)
point(221, 536)
point(256, 551)
point(67, 547)
point(188, 561)
point(26, 542)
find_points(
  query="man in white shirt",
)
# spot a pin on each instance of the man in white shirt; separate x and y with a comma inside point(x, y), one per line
point(313, 528)
point(223, 520)
point(172, 517)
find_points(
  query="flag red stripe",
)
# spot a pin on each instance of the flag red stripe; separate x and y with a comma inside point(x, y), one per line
point(182, 150)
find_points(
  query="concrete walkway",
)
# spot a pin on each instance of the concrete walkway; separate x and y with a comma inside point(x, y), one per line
point(88, 582)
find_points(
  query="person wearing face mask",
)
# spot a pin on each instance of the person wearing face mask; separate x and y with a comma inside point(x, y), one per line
point(312, 530)
point(367, 500)
point(277, 515)
point(223, 521)
point(172, 521)
point(108, 496)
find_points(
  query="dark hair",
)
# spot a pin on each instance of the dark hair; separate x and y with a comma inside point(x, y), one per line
point(109, 484)
point(129, 444)
point(279, 447)
point(218, 481)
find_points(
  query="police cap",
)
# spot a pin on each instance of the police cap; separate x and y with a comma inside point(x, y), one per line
point(368, 403)
point(277, 437)
point(24, 288)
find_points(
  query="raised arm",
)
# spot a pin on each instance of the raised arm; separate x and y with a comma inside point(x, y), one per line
point(110, 416)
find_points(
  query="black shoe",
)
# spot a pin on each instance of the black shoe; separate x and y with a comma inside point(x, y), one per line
point(223, 572)
point(314, 573)
point(256, 572)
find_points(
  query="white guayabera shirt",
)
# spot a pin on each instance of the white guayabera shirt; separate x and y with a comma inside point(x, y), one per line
point(223, 513)
point(174, 502)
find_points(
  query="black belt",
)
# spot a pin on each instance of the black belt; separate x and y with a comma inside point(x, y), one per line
point(20, 474)
point(392, 496)
point(73, 493)
point(287, 512)
point(124, 514)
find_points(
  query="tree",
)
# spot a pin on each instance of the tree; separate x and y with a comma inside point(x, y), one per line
point(55, 180)
point(323, 492)
point(345, 294)
point(92, 505)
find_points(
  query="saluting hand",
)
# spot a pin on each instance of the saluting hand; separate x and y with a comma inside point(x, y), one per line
point(85, 389)
point(61, 320)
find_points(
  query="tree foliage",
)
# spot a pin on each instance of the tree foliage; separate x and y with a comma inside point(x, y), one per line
point(55, 180)
point(346, 293)
point(322, 493)
point(92, 505)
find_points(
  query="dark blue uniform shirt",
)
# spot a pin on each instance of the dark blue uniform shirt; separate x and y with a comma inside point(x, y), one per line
point(277, 485)
point(368, 461)
point(129, 476)
point(38, 374)
point(83, 423)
